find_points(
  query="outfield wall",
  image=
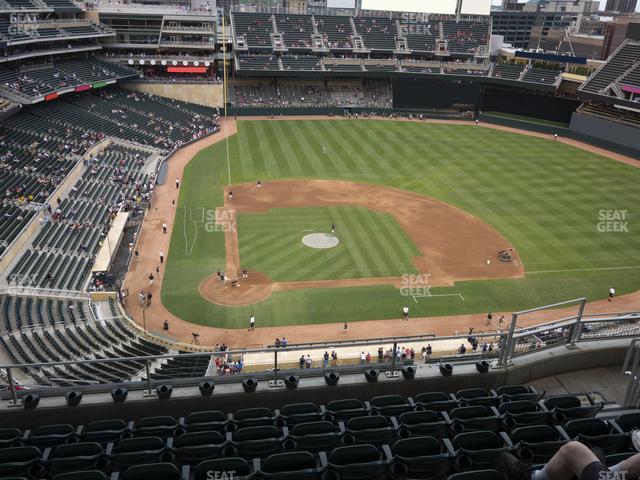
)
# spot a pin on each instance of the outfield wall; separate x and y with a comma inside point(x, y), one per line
point(606, 130)
point(207, 94)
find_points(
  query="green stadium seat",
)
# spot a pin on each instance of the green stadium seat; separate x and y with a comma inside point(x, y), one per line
point(360, 462)
point(20, 461)
point(391, 405)
point(376, 430)
point(315, 436)
point(105, 431)
point(520, 413)
point(82, 475)
point(627, 422)
point(50, 435)
point(478, 396)
point(476, 417)
point(164, 426)
point(259, 441)
point(422, 457)
point(254, 417)
point(481, 449)
point(424, 423)
point(540, 441)
point(195, 447)
point(140, 450)
point(293, 465)
point(10, 437)
point(570, 407)
point(299, 413)
point(212, 420)
point(478, 475)
point(157, 471)
point(598, 433)
point(345, 409)
point(518, 392)
point(77, 456)
point(437, 401)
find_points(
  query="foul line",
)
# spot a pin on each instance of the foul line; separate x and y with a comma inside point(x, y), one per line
point(629, 267)
point(439, 295)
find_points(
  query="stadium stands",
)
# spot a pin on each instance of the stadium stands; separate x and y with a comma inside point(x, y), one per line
point(56, 135)
point(379, 34)
point(301, 62)
point(384, 437)
point(35, 83)
point(42, 330)
point(257, 62)
point(255, 28)
point(625, 59)
point(336, 31)
point(296, 30)
point(508, 71)
point(291, 93)
point(539, 75)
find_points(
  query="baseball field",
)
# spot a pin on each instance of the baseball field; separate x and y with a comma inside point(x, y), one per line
point(418, 205)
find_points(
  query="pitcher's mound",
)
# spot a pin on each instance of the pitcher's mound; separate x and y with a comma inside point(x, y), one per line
point(320, 240)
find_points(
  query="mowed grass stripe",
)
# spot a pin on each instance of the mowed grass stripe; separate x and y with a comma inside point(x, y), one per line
point(357, 226)
point(299, 152)
point(393, 264)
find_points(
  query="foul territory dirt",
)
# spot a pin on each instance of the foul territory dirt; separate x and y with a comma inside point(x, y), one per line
point(453, 244)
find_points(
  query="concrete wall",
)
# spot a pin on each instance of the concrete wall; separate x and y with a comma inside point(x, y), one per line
point(606, 130)
point(229, 397)
point(210, 95)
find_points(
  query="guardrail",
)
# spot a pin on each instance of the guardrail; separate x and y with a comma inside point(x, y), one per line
point(387, 354)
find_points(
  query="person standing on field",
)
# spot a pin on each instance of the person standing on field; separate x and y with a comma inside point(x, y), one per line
point(405, 312)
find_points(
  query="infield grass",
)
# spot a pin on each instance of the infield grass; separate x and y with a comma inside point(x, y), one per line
point(545, 197)
point(372, 244)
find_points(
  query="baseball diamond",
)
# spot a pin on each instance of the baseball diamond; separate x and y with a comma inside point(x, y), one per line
point(519, 189)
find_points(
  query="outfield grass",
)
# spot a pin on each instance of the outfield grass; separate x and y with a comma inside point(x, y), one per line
point(544, 196)
point(372, 244)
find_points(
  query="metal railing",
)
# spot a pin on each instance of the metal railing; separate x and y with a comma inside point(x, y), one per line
point(349, 356)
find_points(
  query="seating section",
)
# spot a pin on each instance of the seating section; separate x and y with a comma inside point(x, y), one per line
point(301, 62)
point(186, 367)
point(539, 75)
point(377, 33)
point(255, 27)
point(257, 62)
point(63, 5)
point(285, 93)
point(42, 330)
point(35, 83)
point(296, 30)
point(508, 71)
point(374, 93)
point(39, 147)
point(63, 28)
point(624, 59)
point(336, 31)
point(608, 112)
point(465, 37)
point(421, 37)
point(424, 436)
